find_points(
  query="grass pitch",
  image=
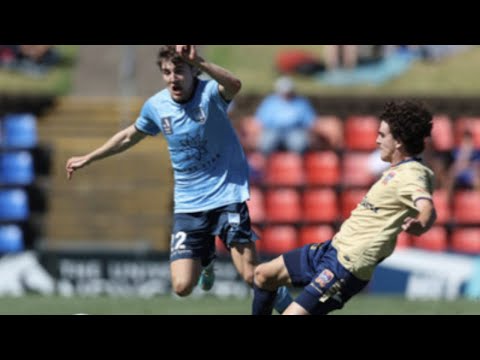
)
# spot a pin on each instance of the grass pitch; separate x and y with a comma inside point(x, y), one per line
point(207, 305)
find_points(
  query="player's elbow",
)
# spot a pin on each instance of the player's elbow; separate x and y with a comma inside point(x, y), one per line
point(235, 86)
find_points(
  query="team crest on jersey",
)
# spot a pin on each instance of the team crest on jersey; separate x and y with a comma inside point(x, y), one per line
point(389, 177)
point(199, 115)
point(167, 126)
point(324, 278)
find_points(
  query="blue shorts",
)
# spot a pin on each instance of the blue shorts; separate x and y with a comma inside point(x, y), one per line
point(194, 233)
point(327, 284)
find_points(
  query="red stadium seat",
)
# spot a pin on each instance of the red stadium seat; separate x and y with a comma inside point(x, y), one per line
point(361, 132)
point(256, 205)
point(349, 199)
point(320, 205)
point(403, 240)
point(296, 60)
point(434, 239)
point(440, 199)
point(468, 123)
point(283, 205)
point(315, 234)
point(355, 170)
point(442, 133)
point(322, 168)
point(285, 168)
point(466, 240)
point(466, 207)
point(279, 239)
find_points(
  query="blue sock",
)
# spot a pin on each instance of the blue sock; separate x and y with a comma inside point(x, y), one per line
point(282, 300)
point(262, 301)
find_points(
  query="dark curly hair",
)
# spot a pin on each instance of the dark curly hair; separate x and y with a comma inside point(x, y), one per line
point(410, 123)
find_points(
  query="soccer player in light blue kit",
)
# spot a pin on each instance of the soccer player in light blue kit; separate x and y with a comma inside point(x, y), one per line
point(210, 168)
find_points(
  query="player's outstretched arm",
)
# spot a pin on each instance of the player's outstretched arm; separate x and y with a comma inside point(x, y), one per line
point(119, 142)
point(230, 85)
point(425, 219)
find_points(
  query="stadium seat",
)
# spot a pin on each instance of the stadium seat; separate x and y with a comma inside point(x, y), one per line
point(315, 234)
point(256, 205)
point(283, 205)
point(355, 170)
point(442, 206)
point(442, 133)
point(349, 199)
point(279, 239)
point(466, 240)
point(403, 240)
point(361, 132)
point(14, 205)
point(435, 239)
point(16, 168)
point(466, 207)
point(320, 205)
point(285, 168)
point(290, 61)
point(322, 168)
point(19, 131)
point(11, 239)
point(470, 123)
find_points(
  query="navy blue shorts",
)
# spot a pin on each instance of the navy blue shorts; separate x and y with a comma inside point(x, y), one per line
point(194, 233)
point(327, 284)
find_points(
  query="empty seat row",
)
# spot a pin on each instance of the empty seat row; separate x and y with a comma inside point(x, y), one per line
point(290, 206)
point(325, 168)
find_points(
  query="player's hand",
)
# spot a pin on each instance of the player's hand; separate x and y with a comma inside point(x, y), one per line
point(74, 163)
point(413, 226)
point(188, 52)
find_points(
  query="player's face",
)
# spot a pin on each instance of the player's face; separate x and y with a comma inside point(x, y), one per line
point(386, 143)
point(179, 79)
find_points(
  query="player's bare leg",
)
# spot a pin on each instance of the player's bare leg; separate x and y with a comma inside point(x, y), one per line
point(185, 274)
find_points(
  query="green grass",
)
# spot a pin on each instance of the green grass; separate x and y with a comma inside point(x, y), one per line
point(167, 305)
point(254, 65)
point(56, 82)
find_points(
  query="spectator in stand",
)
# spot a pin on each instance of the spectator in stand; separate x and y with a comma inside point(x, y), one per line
point(286, 119)
point(465, 170)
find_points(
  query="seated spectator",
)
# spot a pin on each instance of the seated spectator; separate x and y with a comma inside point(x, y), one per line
point(286, 119)
point(465, 170)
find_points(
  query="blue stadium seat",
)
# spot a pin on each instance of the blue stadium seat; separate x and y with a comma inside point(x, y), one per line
point(19, 131)
point(11, 239)
point(14, 205)
point(16, 168)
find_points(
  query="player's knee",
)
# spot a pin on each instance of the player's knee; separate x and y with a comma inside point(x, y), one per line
point(262, 278)
point(182, 288)
point(248, 277)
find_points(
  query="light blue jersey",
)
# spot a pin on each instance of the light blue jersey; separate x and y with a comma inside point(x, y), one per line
point(210, 168)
